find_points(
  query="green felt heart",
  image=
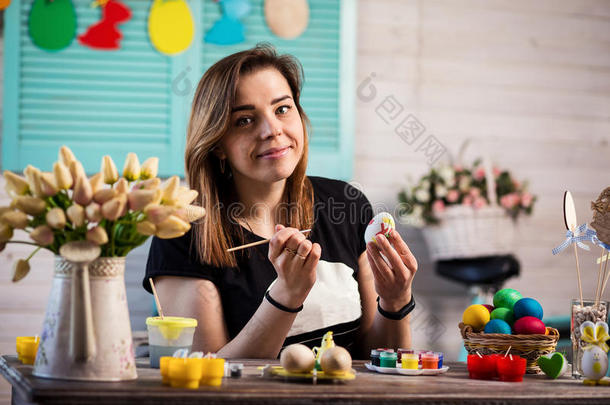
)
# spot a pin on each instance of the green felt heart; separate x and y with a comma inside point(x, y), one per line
point(553, 365)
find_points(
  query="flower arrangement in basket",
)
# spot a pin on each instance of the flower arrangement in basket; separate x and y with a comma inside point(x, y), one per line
point(513, 324)
point(117, 213)
point(460, 213)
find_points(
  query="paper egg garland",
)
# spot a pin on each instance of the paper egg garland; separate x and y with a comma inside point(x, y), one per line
point(381, 223)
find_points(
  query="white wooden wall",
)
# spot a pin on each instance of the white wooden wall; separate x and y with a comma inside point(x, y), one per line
point(529, 82)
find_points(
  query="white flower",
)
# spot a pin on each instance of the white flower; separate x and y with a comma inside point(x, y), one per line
point(422, 195)
point(440, 190)
point(425, 184)
point(448, 175)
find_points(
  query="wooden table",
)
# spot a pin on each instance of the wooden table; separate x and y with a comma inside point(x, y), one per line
point(368, 387)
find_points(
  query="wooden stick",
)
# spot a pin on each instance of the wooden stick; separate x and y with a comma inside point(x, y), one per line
point(578, 274)
point(506, 354)
point(599, 279)
point(152, 285)
point(606, 280)
point(260, 242)
point(605, 257)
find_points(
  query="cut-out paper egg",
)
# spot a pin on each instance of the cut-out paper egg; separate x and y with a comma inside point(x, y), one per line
point(528, 307)
point(382, 223)
point(528, 325)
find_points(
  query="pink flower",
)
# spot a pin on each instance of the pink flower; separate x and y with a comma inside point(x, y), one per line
point(510, 200)
point(526, 199)
point(438, 206)
point(458, 168)
point(479, 174)
point(475, 192)
point(496, 171)
point(516, 184)
point(453, 196)
point(479, 202)
point(467, 200)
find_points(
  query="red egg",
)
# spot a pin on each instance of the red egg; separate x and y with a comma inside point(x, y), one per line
point(528, 325)
point(489, 307)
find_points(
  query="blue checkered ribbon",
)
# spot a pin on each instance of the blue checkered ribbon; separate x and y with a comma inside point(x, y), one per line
point(578, 237)
point(591, 235)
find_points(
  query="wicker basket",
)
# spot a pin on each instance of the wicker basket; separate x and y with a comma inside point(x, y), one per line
point(467, 232)
point(530, 347)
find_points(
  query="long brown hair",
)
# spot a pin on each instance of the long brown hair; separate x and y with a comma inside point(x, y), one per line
point(209, 122)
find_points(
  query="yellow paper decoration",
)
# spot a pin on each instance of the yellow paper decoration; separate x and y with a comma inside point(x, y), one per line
point(170, 26)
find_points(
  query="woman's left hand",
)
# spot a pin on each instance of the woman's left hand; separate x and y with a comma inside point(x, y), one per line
point(392, 280)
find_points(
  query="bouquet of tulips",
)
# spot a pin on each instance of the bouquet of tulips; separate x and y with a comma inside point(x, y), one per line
point(447, 185)
point(118, 213)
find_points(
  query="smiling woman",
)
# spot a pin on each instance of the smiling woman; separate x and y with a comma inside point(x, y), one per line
point(246, 155)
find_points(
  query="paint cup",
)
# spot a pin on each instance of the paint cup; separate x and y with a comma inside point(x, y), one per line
point(27, 347)
point(375, 357)
point(167, 335)
point(440, 359)
point(185, 372)
point(400, 352)
point(212, 372)
point(388, 359)
point(429, 361)
point(410, 361)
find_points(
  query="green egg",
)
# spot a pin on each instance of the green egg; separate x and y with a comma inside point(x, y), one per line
point(506, 298)
point(504, 314)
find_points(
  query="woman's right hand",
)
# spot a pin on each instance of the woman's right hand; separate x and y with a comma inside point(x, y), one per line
point(296, 272)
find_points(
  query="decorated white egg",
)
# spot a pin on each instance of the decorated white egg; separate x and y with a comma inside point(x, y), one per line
point(381, 223)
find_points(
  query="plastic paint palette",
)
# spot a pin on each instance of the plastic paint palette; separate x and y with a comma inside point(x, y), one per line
point(406, 371)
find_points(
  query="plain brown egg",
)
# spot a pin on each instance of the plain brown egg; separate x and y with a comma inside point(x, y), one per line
point(336, 360)
point(297, 358)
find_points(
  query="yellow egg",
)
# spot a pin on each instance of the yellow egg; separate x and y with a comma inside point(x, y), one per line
point(336, 361)
point(476, 316)
point(297, 358)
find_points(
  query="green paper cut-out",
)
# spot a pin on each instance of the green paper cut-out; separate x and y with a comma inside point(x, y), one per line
point(52, 24)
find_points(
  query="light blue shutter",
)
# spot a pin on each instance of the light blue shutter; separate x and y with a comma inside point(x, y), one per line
point(326, 51)
point(133, 99)
point(96, 102)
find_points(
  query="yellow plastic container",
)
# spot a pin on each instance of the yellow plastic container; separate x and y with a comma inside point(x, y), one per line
point(185, 372)
point(213, 371)
point(410, 361)
point(164, 366)
point(27, 347)
point(167, 335)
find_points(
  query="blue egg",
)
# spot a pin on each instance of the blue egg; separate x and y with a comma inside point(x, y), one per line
point(497, 326)
point(527, 307)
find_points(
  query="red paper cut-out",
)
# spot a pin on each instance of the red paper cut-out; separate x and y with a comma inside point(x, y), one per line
point(105, 33)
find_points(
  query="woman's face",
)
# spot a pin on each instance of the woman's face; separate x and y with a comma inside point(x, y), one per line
point(265, 139)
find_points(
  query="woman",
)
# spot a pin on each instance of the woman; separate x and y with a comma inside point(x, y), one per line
point(246, 155)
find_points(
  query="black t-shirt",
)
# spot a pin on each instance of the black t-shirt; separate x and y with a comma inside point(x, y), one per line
point(341, 214)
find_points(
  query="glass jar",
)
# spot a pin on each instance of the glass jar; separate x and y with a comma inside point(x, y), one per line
point(588, 311)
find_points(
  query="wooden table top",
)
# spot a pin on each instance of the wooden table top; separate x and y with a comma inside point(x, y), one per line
point(454, 387)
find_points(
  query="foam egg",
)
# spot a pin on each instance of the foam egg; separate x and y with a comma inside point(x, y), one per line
point(497, 326)
point(504, 314)
point(336, 361)
point(506, 298)
point(381, 223)
point(297, 358)
point(528, 307)
point(528, 325)
point(476, 316)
